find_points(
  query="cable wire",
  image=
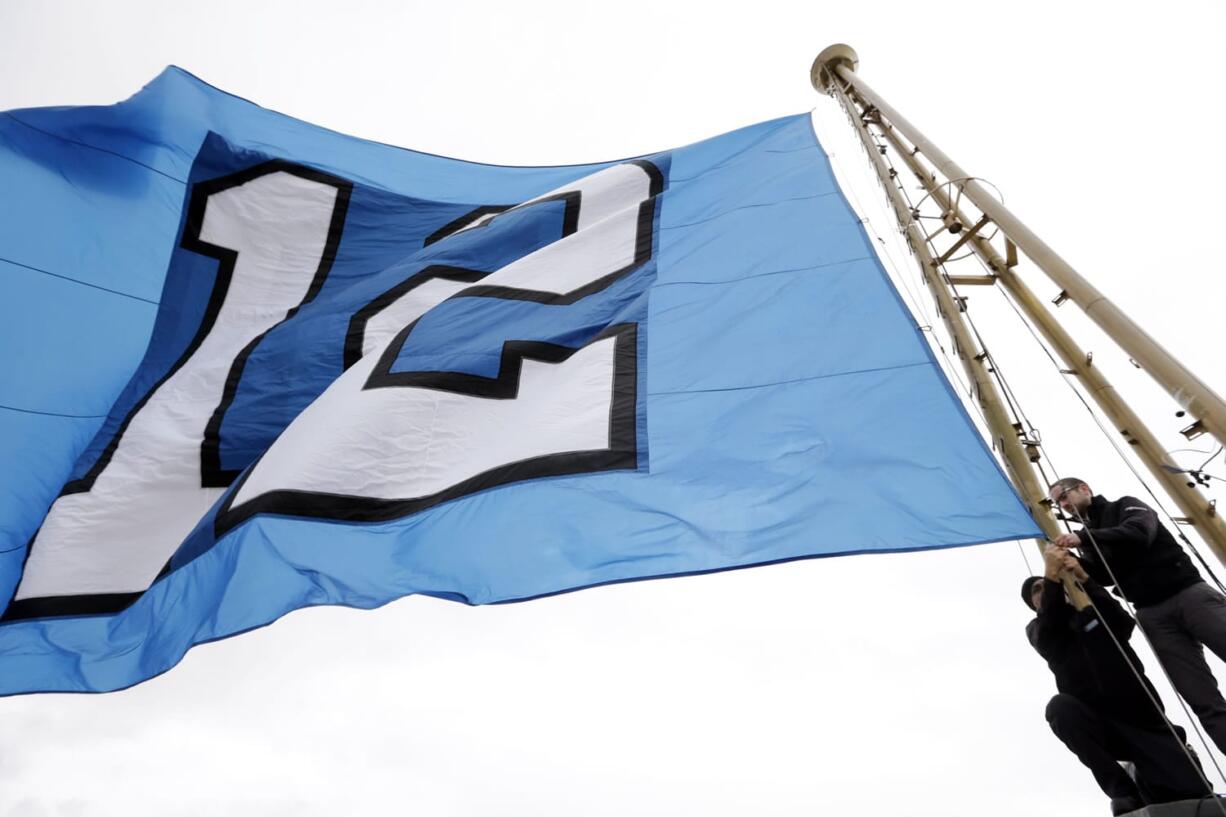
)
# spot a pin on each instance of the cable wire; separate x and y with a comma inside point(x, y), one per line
point(1115, 444)
point(1157, 704)
point(1015, 409)
point(916, 303)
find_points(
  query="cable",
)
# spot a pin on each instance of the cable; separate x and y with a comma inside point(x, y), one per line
point(1012, 403)
point(1157, 705)
point(993, 368)
point(1115, 444)
point(1014, 406)
point(1021, 549)
point(1138, 675)
point(1198, 474)
point(1016, 410)
point(917, 303)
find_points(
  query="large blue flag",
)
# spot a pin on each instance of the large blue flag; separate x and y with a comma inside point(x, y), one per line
point(251, 365)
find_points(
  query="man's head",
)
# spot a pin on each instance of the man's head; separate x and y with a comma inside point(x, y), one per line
point(1032, 592)
point(1071, 495)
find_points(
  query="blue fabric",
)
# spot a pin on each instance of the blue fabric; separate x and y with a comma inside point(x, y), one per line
point(787, 405)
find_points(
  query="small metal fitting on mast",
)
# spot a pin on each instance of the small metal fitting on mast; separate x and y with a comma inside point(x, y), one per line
point(822, 74)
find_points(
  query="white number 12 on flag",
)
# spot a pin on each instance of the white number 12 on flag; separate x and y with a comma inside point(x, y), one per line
point(377, 443)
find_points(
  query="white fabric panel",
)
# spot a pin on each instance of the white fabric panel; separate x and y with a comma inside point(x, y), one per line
point(603, 243)
point(577, 260)
point(117, 536)
point(408, 442)
point(384, 324)
point(602, 194)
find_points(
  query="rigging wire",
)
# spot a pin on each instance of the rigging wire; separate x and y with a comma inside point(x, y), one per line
point(1014, 407)
point(1137, 674)
point(899, 244)
point(1199, 473)
point(1115, 444)
point(1031, 429)
point(1011, 398)
point(1015, 410)
point(1013, 404)
point(1025, 559)
point(916, 303)
point(1200, 735)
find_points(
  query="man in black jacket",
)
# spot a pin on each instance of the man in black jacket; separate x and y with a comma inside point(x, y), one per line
point(1123, 540)
point(1107, 710)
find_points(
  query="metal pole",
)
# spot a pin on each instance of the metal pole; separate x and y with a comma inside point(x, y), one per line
point(1004, 433)
point(1194, 505)
point(840, 61)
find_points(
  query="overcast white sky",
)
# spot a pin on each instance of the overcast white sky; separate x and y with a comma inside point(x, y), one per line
point(859, 685)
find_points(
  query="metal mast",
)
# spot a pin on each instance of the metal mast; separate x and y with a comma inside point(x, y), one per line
point(838, 62)
point(834, 73)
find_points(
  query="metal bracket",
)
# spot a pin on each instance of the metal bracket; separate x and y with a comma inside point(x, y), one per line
point(966, 236)
point(971, 280)
point(1010, 254)
point(1193, 431)
point(1061, 298)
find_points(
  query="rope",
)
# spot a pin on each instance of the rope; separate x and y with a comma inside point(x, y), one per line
point(1014, 407)
point(1011, 400)
point(1137, 674)
point(1114, 443)
point(1025, 559)
point(916, 303)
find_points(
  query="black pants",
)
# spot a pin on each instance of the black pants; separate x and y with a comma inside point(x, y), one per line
point(1164, 770)
point(1178, 627)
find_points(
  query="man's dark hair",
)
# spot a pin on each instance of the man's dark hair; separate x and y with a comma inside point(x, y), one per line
point(1067, 484)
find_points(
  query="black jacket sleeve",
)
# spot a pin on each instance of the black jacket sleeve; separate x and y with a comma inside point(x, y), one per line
point(1137, 527)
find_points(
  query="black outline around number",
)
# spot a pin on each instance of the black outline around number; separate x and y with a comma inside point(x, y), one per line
point(355, 335)
point(622, 453)
point(211, 473)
